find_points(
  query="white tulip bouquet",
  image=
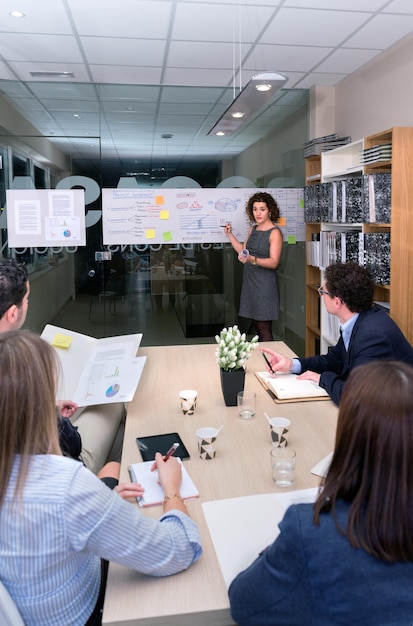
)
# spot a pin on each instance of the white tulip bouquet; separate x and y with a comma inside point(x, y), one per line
point(233, 349)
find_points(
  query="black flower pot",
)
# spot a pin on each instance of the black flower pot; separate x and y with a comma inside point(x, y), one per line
point(232, 382)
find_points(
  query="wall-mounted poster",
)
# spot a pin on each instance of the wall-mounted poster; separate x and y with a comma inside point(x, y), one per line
point(46, 217)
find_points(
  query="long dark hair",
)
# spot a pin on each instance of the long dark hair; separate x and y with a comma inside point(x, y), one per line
point(371, 467)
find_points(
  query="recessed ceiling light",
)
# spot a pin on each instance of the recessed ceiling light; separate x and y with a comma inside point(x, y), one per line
point(220, 133)
point(263, 87)
point(237, 114)
point(17, 14)
point(76, 115)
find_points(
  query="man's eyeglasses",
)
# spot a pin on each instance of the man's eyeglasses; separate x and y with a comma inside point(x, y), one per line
point(322, 292)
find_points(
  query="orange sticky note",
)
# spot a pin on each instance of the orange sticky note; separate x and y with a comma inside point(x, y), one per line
point(282, 221)
point(159, 200)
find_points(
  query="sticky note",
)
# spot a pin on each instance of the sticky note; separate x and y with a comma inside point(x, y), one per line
point(301, 203)
point(159, 200)
point(282, 221)
point(61, 341)
point(150, 233)
point(291, 239)
point(167, 236)
point(164, 214)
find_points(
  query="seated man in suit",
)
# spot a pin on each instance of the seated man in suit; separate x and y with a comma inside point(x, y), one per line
point(94, 434)
point(367, 333)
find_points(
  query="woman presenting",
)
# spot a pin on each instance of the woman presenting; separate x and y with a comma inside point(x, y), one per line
point(260, 299)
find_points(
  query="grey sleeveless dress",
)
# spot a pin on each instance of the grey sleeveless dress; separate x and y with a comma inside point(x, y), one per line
point(260, 297)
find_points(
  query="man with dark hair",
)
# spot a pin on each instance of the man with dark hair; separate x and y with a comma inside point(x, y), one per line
point(367, 333)
point(94, 434)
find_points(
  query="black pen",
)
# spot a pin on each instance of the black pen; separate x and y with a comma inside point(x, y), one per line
point(267, 361)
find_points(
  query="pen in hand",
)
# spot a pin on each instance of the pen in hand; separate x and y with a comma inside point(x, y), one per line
point(167, 455)
point(267, 362)
point(171, 451)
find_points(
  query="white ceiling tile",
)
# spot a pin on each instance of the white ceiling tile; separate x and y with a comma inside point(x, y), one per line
point(137, 93)
point(399, 6)
point(307, 28)
point(383, 31)
point(346, 61)
point(198, 77)
point(200, 54)
point(5, 72)
point(140, 19)
point(338, 5)
point(42, 48)
point(126, 74)
point(233, 23)
point(290, 58)
point(143, 53)
point(38, 17)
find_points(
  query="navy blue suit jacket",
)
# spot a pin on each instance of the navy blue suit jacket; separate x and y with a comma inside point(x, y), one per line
point(375, 337)
point(311, 575)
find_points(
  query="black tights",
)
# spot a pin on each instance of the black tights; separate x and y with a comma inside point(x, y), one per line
point(262, 328)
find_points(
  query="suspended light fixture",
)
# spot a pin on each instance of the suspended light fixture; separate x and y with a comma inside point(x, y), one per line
point(257, 94)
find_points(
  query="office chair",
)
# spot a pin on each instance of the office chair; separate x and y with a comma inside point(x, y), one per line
point(9, 614)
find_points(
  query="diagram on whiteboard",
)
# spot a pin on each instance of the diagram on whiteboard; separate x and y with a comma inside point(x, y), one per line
point(138, 216)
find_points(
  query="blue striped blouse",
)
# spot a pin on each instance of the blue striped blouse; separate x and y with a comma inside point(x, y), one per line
point(51, 543)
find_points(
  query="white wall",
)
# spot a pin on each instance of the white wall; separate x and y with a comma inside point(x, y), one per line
point(379, 96)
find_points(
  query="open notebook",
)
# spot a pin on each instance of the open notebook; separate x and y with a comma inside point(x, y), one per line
point(287, 388)
point(154, 494)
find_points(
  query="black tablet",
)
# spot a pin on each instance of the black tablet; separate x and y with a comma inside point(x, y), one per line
point(152, 444)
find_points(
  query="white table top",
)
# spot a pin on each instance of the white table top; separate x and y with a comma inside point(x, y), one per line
point(241, 467)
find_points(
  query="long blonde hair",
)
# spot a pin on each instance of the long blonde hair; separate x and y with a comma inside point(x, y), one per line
point(29, 369)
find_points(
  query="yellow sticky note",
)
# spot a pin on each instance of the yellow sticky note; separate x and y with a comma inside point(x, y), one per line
point(150, 233)
point(282, 221)
point(61, 341)
point(164, 214)
point(167, 236)
point(291, 239)
point(159, 200)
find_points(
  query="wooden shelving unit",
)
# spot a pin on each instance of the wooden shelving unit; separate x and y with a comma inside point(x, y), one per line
point(400, 291)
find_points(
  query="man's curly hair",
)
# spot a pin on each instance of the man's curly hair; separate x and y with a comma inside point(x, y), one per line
point(351, 283)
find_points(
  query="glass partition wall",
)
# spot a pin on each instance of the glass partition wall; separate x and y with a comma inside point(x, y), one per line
point(173, 293)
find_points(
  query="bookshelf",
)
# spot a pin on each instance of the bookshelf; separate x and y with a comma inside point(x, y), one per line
point(336, 165)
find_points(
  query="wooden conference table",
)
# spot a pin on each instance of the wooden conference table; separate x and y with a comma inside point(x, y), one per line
point(198, 596)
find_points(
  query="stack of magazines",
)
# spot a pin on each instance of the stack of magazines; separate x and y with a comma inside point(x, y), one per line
point(316, 146)
point(376, 154)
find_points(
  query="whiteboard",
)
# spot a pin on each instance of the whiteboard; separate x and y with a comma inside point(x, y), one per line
point(161, 216)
